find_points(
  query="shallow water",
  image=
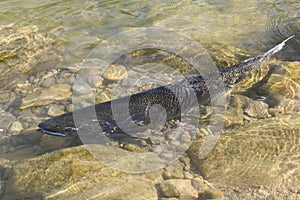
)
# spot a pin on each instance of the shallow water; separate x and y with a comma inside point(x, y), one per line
point(82, 24)
point(228, 30)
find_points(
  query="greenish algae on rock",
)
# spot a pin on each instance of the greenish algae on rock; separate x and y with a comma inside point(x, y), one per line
point(263, 152)
point(73, 173)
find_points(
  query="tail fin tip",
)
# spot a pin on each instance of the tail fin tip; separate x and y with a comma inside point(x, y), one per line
point(278, 47)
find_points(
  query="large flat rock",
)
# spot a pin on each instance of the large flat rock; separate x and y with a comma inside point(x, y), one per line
point(264, 152)
point(73, 173)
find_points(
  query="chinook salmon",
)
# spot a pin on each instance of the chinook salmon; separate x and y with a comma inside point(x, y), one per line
point(174, 98)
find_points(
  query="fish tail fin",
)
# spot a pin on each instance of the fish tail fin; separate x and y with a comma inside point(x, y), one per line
point(242, 68)
point(276, 48)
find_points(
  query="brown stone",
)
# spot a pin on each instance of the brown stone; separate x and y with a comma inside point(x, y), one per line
point(45, 96)
point(114, 72)
point(211, 194)
point(181, 188)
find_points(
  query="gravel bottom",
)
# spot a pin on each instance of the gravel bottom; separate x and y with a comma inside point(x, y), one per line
point(258, 192)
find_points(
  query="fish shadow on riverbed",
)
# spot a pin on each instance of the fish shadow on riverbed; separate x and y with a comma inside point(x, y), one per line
point(32, 143)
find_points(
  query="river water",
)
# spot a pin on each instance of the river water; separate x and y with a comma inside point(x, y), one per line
point(230, 30)
point(81, 25)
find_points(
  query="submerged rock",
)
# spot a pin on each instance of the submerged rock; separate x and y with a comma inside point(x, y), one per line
point(283, 85)
point(45, 96)
point(263, 152)
point(6, 97)
point(24, 50)
point(102, 97)
point(277, 77)
point(234, 113)
point(16, 127)
point(115, 72)
point(73, 173)
point(82, 88)
point(211, 194)
point(55, 110)
point(257, 109)
point(289, 105)
point(174, 171)
point(6, 119)
point(181, 188)
point(95, 81)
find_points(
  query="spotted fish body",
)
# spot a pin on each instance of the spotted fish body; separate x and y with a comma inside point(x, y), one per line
point(174, 98)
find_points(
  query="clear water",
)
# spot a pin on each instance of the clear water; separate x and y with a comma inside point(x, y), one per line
point(82, 24)
point(251, 25)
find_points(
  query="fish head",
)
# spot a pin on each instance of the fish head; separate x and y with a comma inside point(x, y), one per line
point(62, 125)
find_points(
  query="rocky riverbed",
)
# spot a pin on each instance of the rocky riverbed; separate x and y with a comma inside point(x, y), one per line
point(256, 156)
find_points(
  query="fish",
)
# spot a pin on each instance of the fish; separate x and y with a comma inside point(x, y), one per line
point(175, 98)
